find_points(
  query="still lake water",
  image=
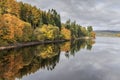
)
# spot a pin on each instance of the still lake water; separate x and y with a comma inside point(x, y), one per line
point(77, 60)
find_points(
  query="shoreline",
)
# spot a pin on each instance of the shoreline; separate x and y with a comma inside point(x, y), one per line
point(20, 45)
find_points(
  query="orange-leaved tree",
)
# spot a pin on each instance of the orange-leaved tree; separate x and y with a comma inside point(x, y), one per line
point(12, 29)
point(66, 33)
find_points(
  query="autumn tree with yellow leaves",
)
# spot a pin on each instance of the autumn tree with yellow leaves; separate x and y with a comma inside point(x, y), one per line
point(66, 33)
point(47, 32)
point(12, 29)
point(9, 7)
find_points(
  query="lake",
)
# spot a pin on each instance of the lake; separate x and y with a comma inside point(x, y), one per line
point(76, 60)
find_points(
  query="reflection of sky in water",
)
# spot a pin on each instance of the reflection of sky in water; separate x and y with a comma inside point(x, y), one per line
point(101, 63)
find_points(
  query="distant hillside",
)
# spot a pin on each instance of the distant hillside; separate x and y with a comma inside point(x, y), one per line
point(107, 33)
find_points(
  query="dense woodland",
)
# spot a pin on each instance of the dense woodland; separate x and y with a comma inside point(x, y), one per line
point(22, 22)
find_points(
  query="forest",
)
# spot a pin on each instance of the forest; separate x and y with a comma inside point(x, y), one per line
point(21, 22)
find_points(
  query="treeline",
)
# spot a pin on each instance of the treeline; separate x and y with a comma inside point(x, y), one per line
point(22, 22)
point(73, 30)
point(30, 14)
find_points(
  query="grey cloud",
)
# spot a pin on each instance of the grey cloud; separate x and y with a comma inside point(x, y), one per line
point(102, 14)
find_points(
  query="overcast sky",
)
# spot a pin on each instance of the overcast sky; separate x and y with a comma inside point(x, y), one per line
point(101, 14)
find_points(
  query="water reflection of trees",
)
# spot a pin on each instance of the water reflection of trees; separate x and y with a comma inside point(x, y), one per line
point(20, 62)
point(70, 48)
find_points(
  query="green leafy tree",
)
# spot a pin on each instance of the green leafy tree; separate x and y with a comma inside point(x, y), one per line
point(89, 28)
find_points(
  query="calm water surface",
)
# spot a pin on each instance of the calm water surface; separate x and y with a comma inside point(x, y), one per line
point(77, 60)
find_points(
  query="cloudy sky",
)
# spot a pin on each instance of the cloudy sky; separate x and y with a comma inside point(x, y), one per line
point(101, 14)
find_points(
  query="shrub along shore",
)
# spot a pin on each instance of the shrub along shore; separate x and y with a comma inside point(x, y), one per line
point(24, 24)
